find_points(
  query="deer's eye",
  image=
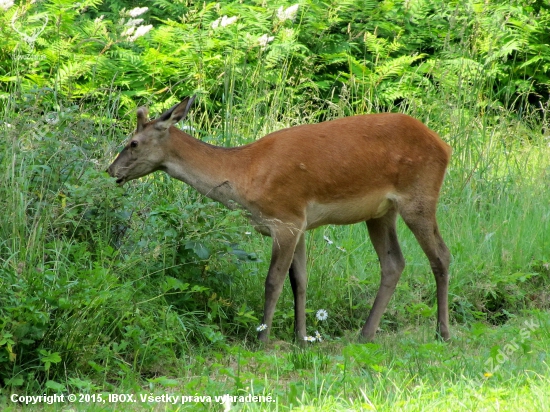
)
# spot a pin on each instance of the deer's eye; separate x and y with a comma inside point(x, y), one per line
point(133, 143)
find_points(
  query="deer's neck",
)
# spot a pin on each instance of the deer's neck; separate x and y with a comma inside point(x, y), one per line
point(211, 170)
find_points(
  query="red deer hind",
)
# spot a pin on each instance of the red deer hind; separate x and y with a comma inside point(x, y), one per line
point(365, 168)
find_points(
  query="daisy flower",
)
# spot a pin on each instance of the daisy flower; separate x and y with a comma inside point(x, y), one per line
point(321, 314)
point(318, 336)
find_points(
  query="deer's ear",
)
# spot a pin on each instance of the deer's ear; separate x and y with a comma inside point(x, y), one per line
point(141, 118)
point(175, 113)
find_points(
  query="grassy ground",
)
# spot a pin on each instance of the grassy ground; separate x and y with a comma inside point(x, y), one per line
point(484, 368)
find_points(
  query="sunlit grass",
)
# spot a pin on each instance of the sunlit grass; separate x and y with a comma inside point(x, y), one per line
point(401, 371)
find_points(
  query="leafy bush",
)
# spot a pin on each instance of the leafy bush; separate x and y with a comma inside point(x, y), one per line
point(79, 254)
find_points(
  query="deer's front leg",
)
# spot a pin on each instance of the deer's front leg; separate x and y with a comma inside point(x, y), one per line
point(284, 245)
point(298, 281)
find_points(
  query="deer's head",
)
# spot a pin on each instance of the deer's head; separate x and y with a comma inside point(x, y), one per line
point(146, 150)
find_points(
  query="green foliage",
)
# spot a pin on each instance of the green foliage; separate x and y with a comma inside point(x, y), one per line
point(102, 285)
point(307, 359)
point(371, 54)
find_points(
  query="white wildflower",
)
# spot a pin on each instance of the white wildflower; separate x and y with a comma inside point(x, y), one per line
point(340, 248)
point(265, 39)
point(224, 21)
point(6, 4)
point(247, 233)
point(227, 21)
point(289, 13)
point(309, 338)
point(129, 31)
point(318, 336)
point(134, 22)
point(100, 18)
point(263, 326)
point(330, 242)
point(188, 127)
point(138, 11)
point(321, 314)
point(140, 31)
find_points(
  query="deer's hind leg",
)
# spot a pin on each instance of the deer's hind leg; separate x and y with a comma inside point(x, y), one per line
point(420, 218)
